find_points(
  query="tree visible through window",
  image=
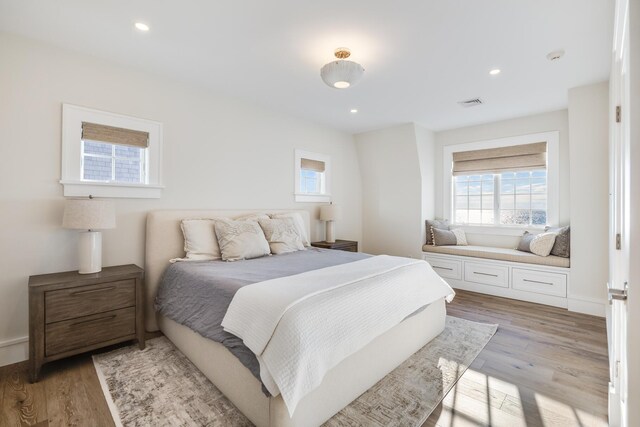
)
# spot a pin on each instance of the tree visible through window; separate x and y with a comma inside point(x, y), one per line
point(508, 198)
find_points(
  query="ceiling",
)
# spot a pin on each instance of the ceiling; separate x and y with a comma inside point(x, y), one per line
point(420, 56)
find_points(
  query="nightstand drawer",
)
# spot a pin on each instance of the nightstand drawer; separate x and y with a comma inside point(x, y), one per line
point(486, 275)
point(85, 300)
point(89, 330)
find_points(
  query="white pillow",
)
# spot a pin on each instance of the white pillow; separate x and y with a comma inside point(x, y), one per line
point(252, 217)
point(200, 242)
point(282, 234)
point(461, 237)
point(542, 243)
point(241, 240)
point(298, 222)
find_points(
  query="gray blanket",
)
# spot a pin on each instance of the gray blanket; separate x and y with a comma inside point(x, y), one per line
point(197, 294)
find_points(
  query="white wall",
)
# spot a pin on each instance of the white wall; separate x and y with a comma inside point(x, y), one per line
point(391, 191)
point(218, 153)
point(553, 121)
point(426, 143)
point(589, 177)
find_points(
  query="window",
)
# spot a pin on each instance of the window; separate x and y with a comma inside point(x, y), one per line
point(509, 182)
point(312, 177)
point(508, 198)
point(109, 155)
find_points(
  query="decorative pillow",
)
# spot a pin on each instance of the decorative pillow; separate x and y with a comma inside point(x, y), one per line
point(442, 224)
point(255, 217)
point(525, 242)
point(298, 222)
point(461, 236)
point(441, 237)
point(539, 244)
point(282, 234)
point(563, 241)
point(241, 240)
point(200, 241)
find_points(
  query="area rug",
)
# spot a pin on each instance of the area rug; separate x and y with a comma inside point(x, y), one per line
point(159, 386)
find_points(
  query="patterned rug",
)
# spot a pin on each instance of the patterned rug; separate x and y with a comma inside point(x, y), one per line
point(159, 386)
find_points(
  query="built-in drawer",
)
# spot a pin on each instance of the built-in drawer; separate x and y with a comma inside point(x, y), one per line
point(540, 282)
point(493, 275)
point(446, 268)
point(86, 331)
point(81, 301)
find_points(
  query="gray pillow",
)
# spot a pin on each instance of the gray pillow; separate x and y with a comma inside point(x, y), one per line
point(563, 241)
point(440, 224)
point(443, 237)
point(525, 242)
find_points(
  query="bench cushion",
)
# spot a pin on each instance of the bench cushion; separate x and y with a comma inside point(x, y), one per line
point(502, 254)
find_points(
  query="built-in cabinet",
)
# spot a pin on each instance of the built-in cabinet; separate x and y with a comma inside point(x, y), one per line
point(527, 282)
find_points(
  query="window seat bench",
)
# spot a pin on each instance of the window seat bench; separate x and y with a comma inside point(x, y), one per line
point(502, 254)
point(502, 272)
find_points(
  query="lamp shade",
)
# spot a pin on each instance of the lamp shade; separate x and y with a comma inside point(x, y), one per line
point(341, 74)
point(89, 214)
point(330, 213)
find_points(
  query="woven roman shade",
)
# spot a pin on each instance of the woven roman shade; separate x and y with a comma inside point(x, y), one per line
point(312, 165)
point(114, 135)
point(498, 160)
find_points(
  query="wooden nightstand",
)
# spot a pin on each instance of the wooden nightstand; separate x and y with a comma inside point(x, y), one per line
point(341, 245)
point(70, 313)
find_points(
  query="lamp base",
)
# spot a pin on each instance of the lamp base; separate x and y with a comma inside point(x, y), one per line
point(330, 237)
point(90, 252)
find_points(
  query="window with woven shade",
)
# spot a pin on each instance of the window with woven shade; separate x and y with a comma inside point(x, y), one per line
point(110, 155)
point(505, 184)
point(312, 177)
point(113, 154)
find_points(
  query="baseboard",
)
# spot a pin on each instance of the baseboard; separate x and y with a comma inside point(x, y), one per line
point(509, 293)
point(587, 306)
point(14, 351)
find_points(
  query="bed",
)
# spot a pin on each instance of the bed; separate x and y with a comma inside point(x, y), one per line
point(342, 384)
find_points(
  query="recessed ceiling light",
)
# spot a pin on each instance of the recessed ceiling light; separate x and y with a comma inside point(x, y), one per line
point(353, 110)
point(142, 26)
point(495, 72)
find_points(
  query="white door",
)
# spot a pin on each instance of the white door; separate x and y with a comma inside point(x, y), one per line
point(619, 218)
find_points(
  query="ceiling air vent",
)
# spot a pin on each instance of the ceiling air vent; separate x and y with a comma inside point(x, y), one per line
point(470, 102)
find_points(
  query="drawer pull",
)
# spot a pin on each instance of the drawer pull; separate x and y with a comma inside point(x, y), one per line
point(443, 268)
point(113, 316)
point(536, 281)
point(485, 274)
point(90, 291)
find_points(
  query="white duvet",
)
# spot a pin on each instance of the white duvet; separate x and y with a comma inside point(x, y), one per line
point(301, 326)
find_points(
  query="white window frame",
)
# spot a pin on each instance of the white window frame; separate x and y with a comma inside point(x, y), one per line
point(323, 197)
point(553, 180)
point(71, 179)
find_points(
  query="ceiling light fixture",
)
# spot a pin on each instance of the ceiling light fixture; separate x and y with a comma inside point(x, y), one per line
point(495, 72)
point(353, 110)
point(142, 26)
point(555, 55)
point(341, 74)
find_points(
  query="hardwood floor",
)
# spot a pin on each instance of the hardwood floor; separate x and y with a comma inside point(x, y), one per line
point(544, 367)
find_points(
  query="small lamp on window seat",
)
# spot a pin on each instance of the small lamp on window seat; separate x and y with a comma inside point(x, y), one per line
point(330, 213)
point(89, 215)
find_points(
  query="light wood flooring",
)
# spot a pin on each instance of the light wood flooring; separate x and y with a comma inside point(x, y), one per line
point(544, 367)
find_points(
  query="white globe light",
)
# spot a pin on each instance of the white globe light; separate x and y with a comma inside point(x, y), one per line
point(341, 74)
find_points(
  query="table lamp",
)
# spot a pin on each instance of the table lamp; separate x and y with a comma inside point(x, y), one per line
point(89, 215)
point(330, 213)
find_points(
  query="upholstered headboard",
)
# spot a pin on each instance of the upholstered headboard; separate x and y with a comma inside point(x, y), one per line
point(165, 241)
